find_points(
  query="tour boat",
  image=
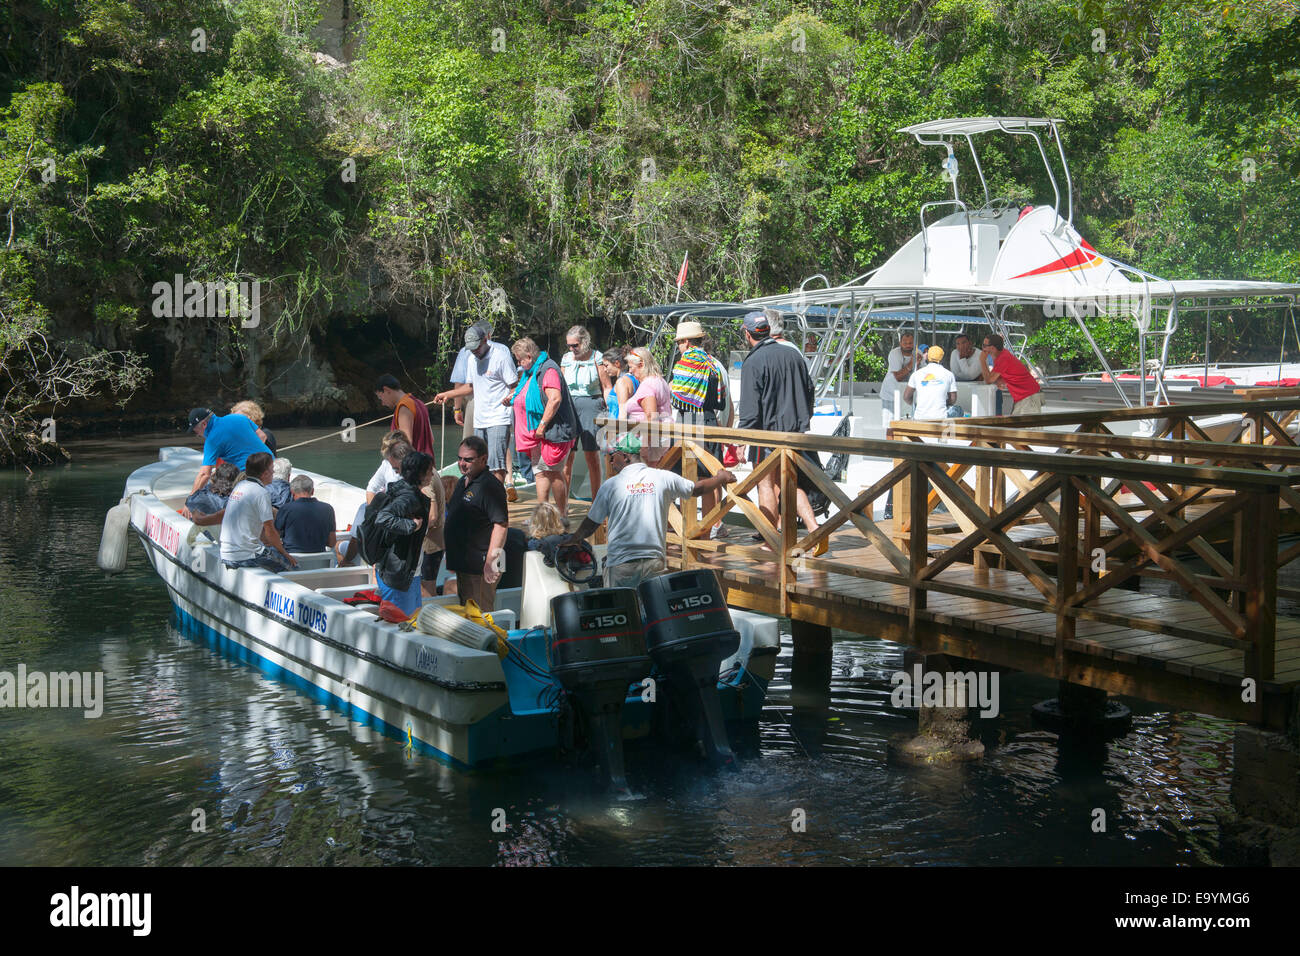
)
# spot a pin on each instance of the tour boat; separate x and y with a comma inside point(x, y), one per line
point(447, 687)
point(977, 266)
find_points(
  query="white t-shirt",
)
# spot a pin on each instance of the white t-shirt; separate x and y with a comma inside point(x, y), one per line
point(932, 383)
point(247, 510)
point(892, 385)
point(968, 369)
point(493, 377)
point(636, 503)
point(379, 480)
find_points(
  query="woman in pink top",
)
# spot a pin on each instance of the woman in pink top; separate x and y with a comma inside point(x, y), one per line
point(536, 411)
point(651, 402)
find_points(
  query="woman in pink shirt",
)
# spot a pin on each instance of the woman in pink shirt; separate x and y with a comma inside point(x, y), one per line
point(545, 421)
point(651, 402)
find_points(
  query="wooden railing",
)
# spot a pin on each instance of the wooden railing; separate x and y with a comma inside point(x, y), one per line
point(1263, 420)
point(1230, 598)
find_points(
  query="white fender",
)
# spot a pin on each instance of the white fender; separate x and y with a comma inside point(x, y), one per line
point(112, 544)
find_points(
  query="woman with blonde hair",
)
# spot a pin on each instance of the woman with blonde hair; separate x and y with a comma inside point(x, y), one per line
point(253, 412)
point(545, 422)
point(651, 402)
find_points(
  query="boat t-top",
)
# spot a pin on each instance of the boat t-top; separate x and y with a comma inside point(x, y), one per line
point(975, 261)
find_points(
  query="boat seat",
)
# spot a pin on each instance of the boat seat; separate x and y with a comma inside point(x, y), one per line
point(313, 560)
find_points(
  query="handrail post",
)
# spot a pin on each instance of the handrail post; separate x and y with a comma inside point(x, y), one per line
point(788, 535)
point(690, 517)
point(1067, 569)
point(1260, 567)
point(918, 540)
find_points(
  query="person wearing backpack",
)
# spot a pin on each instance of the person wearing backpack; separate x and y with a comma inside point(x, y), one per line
point(399, 524)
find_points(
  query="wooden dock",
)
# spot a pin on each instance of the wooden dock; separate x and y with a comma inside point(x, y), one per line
point(1024, 547)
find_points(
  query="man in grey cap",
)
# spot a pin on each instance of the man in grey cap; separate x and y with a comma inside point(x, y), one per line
point(776, 394)
point(485, 369)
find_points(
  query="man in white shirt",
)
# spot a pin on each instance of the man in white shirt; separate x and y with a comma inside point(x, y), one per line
point(248, 535)
point(487, 370)
point(967, 361)
point(635, 499)
point(932, 389)
point(902, 362)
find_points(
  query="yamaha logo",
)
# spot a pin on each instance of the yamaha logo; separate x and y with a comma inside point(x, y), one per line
point(690, 603)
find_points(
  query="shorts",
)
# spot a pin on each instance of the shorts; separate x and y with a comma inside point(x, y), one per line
point(1029, 405)
point(631, 573)
point(498, 440)
point(588, 408)
point(473, 587)
point(429, 565)
point(709, 417)
point(549, 455)
point(801, 480)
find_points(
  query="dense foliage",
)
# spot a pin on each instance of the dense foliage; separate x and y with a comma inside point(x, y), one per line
point(550, 162)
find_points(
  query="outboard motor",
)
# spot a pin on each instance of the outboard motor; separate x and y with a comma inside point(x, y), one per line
point(689, 634)
point(597, 650)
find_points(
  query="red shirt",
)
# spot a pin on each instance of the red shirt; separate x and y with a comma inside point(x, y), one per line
point(1020, 383)
point(421, 433)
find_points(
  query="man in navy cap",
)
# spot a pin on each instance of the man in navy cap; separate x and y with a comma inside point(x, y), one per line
point(229, 438)
point(776, 395)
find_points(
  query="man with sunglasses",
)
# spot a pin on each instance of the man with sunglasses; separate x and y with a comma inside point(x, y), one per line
point(478, 518)
point(485, 369)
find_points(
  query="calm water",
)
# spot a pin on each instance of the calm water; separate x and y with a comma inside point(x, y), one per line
point(282, 779)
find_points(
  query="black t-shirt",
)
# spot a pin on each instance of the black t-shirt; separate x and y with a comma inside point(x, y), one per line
point(472, 509)
point(305, 525)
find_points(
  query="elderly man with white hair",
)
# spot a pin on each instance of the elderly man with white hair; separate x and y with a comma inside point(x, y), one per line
point(278, 489)
point(305, 524)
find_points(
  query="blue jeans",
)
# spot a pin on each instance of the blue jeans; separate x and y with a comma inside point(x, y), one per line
point(408, 600)
point(267, 558)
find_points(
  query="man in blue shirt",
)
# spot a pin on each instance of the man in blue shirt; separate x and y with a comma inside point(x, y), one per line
point(230, 438)
point(305, 524)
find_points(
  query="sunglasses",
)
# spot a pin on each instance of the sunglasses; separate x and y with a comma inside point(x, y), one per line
point(575, 345)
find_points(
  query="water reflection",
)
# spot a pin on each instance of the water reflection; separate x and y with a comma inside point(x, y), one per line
point(280, 778)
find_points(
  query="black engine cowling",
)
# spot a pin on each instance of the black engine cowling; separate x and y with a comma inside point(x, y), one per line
point(597, 650)
point(689, 634)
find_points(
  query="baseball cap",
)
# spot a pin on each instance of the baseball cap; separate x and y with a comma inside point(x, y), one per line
point(628, 444)
point(474, 337)
point(935, 354)
point(197, 415)
point(757, 322)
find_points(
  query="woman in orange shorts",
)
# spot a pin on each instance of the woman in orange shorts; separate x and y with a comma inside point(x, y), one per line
point(546, 423)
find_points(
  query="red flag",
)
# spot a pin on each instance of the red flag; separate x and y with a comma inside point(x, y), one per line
point(681, 273)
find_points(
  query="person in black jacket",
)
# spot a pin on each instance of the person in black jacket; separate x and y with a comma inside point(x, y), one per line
point(776, 394)
point(402, 519)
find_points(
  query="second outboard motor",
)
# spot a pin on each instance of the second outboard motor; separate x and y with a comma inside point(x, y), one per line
point(597, 650)
point(689, 634)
